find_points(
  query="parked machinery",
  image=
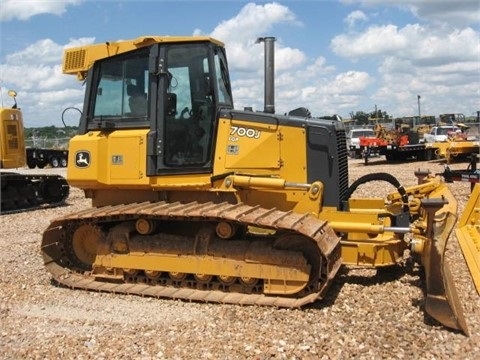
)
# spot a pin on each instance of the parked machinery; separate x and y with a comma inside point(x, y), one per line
point(20, 192)
point(451, 141)
point(192, 199)
point(39, 157)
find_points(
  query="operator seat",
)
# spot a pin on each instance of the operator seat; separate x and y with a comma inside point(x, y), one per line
point(137, 100)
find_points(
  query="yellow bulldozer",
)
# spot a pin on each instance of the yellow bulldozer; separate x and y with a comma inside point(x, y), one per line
point(193, 199)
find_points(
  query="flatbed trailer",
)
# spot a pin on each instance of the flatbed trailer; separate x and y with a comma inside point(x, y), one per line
point(37, 157)
point(422, 151)
point(471, 174)
point(399, 153)
point(408, 152)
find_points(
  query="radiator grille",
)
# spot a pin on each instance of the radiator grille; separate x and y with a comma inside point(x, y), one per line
point(74, 60)
point(342, 164)
point(12, 137)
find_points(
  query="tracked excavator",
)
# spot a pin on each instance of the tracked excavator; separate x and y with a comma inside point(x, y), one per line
point(21, 192)
point(193, 199)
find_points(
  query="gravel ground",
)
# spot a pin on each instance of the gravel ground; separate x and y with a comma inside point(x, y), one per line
point(366, 315)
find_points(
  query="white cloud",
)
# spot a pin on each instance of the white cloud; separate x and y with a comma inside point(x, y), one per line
point(412, 42)
point(456, 13)
point(246, 58)
point(351, 82)
point(25, 9)
point(36, 74)
point(38, 66)
point(354, 17)
point(45, 49)
point(410, 58)
point(374, 41)
point(438, 61)
point(288, 58)
point(253, 21)
point(79, 42)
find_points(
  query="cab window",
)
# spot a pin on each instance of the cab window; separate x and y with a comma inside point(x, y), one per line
point(122, 91)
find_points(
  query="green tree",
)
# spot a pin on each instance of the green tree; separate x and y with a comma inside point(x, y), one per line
point(360, 117)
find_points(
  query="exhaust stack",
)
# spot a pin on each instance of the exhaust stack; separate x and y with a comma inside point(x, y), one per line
point(269, 101)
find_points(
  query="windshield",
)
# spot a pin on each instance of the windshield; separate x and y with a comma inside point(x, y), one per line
point(123, 88)
point(446, 130)
point(360, 133)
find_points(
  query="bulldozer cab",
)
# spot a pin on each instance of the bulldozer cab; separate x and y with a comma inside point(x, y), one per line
point(173, 90)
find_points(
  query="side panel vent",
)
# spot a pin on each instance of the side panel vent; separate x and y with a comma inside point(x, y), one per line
point(327, 160)
point(12, 137)
point(74, 60)
point(342, 164)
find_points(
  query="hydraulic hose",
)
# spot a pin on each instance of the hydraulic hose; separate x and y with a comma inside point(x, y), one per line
point(377, 177)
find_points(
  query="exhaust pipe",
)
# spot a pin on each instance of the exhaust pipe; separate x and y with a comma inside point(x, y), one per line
point(269, 101)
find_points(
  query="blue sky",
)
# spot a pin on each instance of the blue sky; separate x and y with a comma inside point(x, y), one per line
point(333, 57)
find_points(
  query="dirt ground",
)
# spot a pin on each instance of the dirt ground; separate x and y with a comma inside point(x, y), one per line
point(365, 315)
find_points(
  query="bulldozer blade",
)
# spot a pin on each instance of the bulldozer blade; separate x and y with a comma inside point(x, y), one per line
point(442, 302)
point(468, 235)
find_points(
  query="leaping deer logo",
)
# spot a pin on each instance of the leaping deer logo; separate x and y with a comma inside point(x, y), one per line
point(82, 159)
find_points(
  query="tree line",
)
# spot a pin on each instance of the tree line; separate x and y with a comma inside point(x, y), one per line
point(51, 132)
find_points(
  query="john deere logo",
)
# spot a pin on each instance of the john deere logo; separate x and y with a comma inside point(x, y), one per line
point(82, 159)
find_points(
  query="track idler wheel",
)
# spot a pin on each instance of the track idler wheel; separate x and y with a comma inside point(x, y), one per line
point(309, 250)
point(54, 190)
point(85, 242)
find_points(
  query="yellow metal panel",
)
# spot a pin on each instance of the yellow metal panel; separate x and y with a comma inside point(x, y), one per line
point(112, 159)
point(248, 147)
point(282, 200)
point(468, 235)
point(251, 145)
point(125, 157)
point(294, 156)
point(372, 254)
point(12, 139)
point(92, 172)
point(119, 159)
point(469, 240)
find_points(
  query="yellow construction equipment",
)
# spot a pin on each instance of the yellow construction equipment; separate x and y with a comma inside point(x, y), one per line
point(21, 192)
point(468, 234)
point(192, 199)
point(451, 142)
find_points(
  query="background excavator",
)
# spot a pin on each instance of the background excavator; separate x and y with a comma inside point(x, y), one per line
point(20, 192)
point(192, 199)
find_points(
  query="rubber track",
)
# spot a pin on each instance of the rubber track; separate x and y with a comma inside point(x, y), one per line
point(43, 203)
point(307, 225)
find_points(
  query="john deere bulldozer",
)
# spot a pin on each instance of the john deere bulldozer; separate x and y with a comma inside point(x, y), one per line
point(21, 192)
point(193, 199)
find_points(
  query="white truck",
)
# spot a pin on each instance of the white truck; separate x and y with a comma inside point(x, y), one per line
point(353, 141)
point(441, 133)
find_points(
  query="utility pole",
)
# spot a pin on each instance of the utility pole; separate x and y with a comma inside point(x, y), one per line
point(419, 114)
point(418, 99)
